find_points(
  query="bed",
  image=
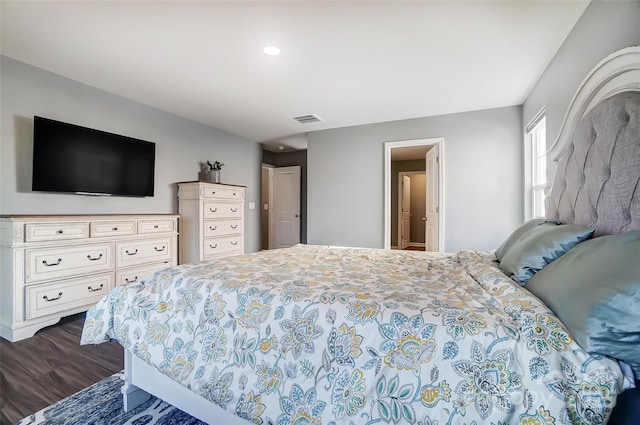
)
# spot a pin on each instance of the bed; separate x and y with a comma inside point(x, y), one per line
point(329, 335)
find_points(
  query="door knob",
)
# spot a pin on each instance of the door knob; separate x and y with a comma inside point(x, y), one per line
point(424, 218)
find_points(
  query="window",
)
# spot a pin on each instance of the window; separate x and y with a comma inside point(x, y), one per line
point(536, 167)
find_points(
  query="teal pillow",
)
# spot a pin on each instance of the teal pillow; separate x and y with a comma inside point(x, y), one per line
point(539, 246)
point(594, 289)
point(517, 234)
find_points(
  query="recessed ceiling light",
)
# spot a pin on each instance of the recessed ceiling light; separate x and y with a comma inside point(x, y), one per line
point(271, 51)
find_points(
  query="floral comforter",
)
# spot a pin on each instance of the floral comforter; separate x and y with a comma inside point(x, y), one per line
point(321, 335)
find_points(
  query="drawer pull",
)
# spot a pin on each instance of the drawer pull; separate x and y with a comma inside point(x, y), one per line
point(52, 299)
point(234, 209)
point(213, 228)
point(95, 258)
point(234, 194)
point(213, 246)
point(213, 209)
point(135, 279)
point(159, 249)
point(115, 229)
point(234, 226)
point(234, 243)
point(96, 290)
point(155, 226)
point(131, 253)
point(213, 192)
point(60, 232)
point(52, 264)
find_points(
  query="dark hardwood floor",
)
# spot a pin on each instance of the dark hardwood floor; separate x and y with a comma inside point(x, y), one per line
point(50, 366)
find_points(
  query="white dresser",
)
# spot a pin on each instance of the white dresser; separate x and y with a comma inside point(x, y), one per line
point(211, 221)
point(56, 265)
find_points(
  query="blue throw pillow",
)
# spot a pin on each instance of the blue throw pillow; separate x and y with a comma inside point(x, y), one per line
point(594, 289)
point(517, 234)
point(540, 246)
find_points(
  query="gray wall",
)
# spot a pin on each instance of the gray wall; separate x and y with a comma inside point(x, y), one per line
point(605, 26)
point(287, 159)
point(180, 145)
point(483, 178)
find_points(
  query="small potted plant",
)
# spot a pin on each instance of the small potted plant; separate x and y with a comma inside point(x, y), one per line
point(210, 172)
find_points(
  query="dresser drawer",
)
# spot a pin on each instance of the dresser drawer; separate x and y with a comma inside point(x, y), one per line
point(222, 245)
point(55, 232)
point(112, 228)
point(72, 293)
point(53, 263)
point(222, 192)
point(222, 227)
point(222, 255)
point(136, 274)
point(155, 226)
point(222, 210)
point(143, 251)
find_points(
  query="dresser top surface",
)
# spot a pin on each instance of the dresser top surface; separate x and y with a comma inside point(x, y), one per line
point(212, 183)
point(53, 217)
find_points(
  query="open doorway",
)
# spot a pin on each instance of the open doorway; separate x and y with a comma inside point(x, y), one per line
point(411, 209)
point(402, 158)
point(281, 207)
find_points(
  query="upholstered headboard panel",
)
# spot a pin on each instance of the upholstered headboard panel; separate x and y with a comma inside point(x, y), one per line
point(598, 180)
point(596, 157)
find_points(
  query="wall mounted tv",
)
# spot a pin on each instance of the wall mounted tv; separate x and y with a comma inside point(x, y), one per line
point(70, 158)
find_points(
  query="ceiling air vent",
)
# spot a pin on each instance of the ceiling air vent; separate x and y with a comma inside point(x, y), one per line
point(307, 119)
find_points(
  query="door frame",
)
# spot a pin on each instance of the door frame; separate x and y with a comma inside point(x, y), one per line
point(270, 168)
point(400, 196)
point(388, 147)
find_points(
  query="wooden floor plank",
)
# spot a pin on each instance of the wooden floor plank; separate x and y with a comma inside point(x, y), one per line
point(50, 366)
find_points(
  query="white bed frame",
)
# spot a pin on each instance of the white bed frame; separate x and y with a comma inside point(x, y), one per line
point(618, 72)
point(141, 380)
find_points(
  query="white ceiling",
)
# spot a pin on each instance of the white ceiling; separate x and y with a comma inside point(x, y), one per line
point(350, 63)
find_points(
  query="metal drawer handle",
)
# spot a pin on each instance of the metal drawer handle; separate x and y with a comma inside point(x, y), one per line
point(213, 228)
point(53, 299)
point(131, 253)
point(159, 249)
point(115, 229)
point(213, 246)
point(96, 290)
point(60, 232)
point(213, 192)
point(234, 209)
point(135, 279)
point(234, 194)
point(94, 259)
point(213, 210)
point(234, 226)
point(155, 227)
point(52, 264)
point(234, 243)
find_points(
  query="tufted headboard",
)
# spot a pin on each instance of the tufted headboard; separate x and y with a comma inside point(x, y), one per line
point(597, 154)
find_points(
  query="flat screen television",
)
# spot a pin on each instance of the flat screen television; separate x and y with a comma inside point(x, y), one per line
point(71, 158)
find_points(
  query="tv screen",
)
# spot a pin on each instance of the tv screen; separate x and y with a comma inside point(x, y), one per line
point(70, 158)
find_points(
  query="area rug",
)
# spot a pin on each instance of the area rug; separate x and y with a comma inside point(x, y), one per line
point(101, 404)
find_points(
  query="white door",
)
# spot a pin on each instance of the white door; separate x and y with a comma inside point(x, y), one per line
point(285, 229)
point(433, 209)
point(405, 235)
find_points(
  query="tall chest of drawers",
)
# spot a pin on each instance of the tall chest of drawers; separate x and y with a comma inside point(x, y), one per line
point(211, 221)
point(54, 266)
